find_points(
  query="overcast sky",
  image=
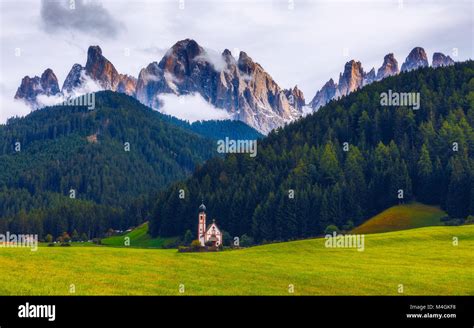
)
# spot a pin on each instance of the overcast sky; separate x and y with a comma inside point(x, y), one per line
point(297, 42)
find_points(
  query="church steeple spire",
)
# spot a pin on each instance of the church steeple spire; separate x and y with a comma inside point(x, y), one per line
point(202, 208)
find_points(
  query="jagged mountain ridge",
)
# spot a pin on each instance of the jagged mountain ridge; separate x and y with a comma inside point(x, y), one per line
point(239, 85)
point(242, 87)
point(354, 77)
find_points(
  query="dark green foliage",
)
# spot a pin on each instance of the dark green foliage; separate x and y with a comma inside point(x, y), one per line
point(392, 151)
point(68, 147)
point(188, 237)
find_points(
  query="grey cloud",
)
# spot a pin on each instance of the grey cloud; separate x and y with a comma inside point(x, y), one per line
point(77, 15)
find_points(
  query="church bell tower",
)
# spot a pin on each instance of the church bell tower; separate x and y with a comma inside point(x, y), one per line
point(202, 225)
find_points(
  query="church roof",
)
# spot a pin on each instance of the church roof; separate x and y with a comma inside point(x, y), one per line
point(213, 223)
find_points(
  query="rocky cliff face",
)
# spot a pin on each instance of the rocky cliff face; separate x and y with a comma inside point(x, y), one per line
point(127, 84)
point(351, 79)
point(31, 88)
point(295, 98)
point(416, 59)
point(242, 87)
point(440, 60)
point(101, 70)
point(388, 68)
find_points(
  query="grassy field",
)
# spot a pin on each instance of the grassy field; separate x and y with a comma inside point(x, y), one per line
point(424, 260)
point(402, 217)
point(138, 237)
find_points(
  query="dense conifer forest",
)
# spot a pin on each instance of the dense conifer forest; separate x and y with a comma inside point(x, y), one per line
point(341, 165)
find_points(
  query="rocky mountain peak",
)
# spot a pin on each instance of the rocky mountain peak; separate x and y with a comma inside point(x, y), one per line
point(49, 82)
point(73, 79)
point(245, 63)
point(388, 68)
point(228, 57)
point(323, 96)
point(369, 77)
point(416, 59)
point(295, 97)
point(101, 69)
point(180, 60)
point(439, 60)
point(31, 88)
point(226, 53)
point(352, 78)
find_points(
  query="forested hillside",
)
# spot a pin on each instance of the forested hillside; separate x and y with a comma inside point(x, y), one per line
point(394, 154)
point(115, 155)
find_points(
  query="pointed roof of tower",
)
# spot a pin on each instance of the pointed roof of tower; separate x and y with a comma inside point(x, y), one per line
point(202, 208)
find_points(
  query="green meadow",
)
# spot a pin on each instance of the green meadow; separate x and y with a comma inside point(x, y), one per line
point(138, 237)
point(424, 260)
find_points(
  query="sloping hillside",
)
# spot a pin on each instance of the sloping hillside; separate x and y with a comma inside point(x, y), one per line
point(402, 217)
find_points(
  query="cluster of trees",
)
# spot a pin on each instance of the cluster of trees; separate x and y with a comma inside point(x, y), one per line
point(341, 165)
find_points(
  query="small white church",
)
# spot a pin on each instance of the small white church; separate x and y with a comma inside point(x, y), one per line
point(211, 233)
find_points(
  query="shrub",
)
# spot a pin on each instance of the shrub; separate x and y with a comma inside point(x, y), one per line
point(348, 226)
point(49, 238)
point(65, 238)
point(469, 220)
point(195, 244)
point(75, 235)
point(246, 241)
point(330, 229)
point(226, 239)
point(84, 237)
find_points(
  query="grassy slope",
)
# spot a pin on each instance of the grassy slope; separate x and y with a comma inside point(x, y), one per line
point(139, 237)
point(402, 217)
point(423, 260)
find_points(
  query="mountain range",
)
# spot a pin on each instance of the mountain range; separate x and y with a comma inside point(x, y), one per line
point(237, 84)
point(354, 77)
